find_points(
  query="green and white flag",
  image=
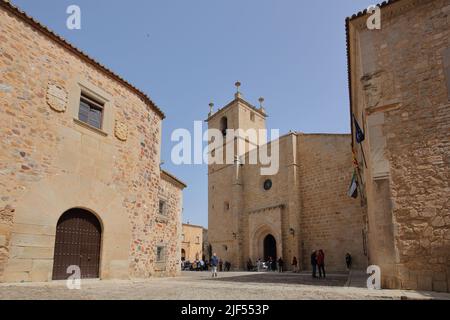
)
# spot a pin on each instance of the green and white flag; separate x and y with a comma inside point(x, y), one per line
point(353, 190)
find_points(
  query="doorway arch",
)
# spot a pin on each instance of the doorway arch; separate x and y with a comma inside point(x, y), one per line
point(183, 255)
point(77, 243)
point(270, 247)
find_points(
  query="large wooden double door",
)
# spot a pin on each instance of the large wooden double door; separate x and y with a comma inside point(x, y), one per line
point(78, 243)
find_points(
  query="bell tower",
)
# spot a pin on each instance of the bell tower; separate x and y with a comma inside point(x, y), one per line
point(239, 123)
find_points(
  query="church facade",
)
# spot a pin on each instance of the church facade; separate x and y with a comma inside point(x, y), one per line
point(80, 180)
point(301, 208)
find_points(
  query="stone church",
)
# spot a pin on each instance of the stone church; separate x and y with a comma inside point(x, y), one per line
point(303, 207)
point(80, 177)
point(399, 85)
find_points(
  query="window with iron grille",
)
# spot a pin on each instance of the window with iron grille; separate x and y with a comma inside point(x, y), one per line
point(162, 208)
point(91, 111)
point(160, 254)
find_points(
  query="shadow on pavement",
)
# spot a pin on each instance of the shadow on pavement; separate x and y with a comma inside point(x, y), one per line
point(288, 278)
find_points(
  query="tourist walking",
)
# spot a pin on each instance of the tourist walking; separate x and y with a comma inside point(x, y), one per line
point(321, 263)
point(348, 261)
point(214, 264)
point(295, 264)
point(314, 263)
point(280, 265)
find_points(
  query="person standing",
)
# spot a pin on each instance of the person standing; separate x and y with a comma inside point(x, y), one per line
point(321, 263)
point(280, 264)
point(314, 264)
point(220, 265)
point(202, 265)
point(214, 264)
point(348, 261)
point(295, 264)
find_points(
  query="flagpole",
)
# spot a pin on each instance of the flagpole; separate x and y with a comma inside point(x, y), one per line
point(364, 156)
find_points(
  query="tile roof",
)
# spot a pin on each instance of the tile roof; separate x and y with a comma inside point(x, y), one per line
point(171, 178)
point(8, 6)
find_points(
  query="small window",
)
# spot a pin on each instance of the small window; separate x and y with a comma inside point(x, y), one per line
point(91, 111)
point(160, 254)
point(224, 126)
point(267, 184)
point(252, 116)
point(227, 206)
point(162, 207)
point(197, 240)
point(183, 238)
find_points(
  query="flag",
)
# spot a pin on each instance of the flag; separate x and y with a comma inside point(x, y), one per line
point(360, 137)
point(353, 190)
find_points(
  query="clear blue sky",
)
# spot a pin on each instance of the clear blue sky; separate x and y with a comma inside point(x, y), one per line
point(186, 53)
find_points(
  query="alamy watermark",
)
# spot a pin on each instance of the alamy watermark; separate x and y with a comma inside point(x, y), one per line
point(374, 20)
point(73, 21)
point(74, 280)
point(227, 146)
point(374, 280)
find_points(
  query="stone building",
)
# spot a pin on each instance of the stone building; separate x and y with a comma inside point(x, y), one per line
point(207, 249)
point(399, 78)
point(80, 177)
point(191, 242)
point(301, 208)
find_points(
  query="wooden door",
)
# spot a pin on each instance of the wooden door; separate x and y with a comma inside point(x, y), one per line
point(78, 242)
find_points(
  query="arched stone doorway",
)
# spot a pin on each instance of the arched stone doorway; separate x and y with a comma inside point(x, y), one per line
point(270, 247)
point(78, 243)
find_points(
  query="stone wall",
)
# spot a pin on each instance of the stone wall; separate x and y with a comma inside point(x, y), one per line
point(329, 218)
point(400, 94)
point(50, 162)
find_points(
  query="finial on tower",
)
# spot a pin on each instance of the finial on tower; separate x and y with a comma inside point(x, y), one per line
point(211, 107)
point(261, 106)
point(238, 93)
point(261, 101)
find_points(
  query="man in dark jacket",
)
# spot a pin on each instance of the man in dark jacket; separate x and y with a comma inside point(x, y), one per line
point(280, 264)
point(214, 263)
point(314, 263)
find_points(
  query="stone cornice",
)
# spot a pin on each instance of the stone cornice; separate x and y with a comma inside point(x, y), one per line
point(279, 206)
point(237, 100)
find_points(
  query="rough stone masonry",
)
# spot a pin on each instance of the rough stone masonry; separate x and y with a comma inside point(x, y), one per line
point(54, 158)
point(400, 94)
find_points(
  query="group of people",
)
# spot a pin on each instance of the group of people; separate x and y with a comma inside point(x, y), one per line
point(317, 263)
point(269, 265)
point(203, 265)
point(218, 265)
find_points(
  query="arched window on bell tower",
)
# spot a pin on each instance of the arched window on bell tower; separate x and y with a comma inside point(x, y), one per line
point(224, 126)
